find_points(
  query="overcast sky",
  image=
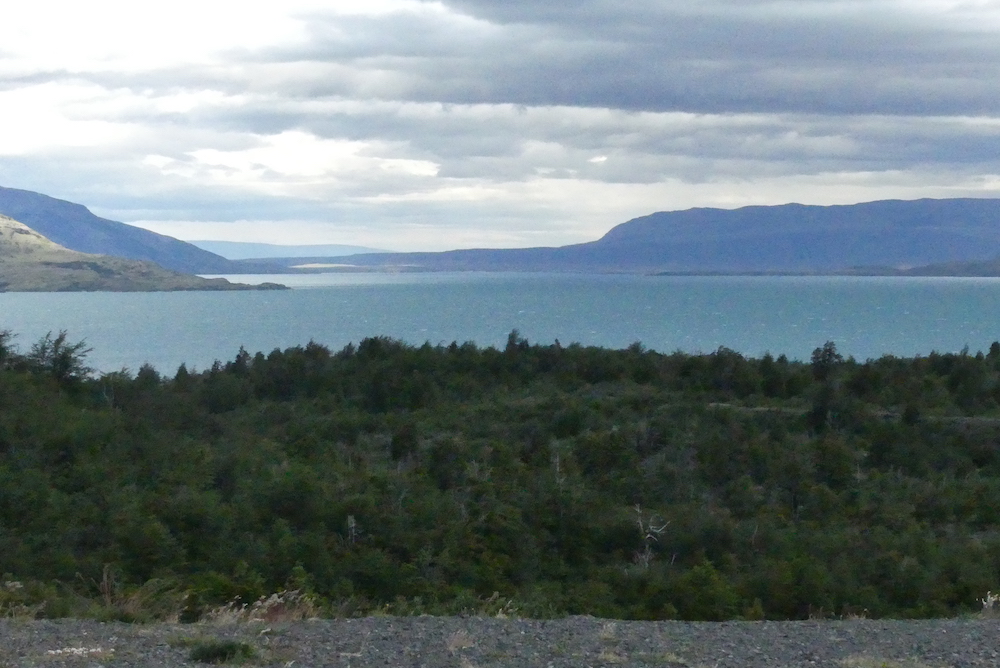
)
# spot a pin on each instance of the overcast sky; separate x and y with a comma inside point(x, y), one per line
point(417, 125)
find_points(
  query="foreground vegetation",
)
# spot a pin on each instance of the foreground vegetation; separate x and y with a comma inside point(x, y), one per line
point(538, 480)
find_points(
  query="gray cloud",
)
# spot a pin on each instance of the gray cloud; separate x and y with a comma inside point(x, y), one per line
point(498, 118)
point(656, 56)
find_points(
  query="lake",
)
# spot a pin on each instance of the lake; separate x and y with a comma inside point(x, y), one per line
point(865, 316)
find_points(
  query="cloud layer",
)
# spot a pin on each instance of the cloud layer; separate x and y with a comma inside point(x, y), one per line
point(430, 125)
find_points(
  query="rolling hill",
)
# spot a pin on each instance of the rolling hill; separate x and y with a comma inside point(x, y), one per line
point(76, 228)
point(926, 237)
point(789, 238)
point(29, 262)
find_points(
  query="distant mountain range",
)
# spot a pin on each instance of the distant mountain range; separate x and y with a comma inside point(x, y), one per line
point(29, 262)
point(243, 250)
point(894, 237)
point(881, 237)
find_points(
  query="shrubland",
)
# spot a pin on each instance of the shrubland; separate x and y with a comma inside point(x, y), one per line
point(536, 480)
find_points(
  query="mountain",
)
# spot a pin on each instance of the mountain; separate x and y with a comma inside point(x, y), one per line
point(242, 250)
point(982, 268)
point(789, 238)
point(889, 236)
point(75, 227)
point(29, 262)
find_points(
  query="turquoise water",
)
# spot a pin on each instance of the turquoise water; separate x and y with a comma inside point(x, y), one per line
point(866, 317)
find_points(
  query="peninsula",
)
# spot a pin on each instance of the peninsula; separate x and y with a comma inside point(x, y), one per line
point(30, 262)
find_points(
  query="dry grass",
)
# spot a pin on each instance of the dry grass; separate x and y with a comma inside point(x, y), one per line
point(283, 606)
point(611, 656)
point(608, 633)
point(13, 605)
point(990, 607)
point(495, 606)
point(459, 640)
point(669, 658)
point(875, 662)
point(21, 611)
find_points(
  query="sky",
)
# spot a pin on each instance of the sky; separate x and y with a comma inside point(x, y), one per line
point(418, 125)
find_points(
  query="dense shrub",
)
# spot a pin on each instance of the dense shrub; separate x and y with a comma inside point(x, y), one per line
point(448, 478)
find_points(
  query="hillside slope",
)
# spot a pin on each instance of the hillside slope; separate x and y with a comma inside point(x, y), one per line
point(792, 238)
point(29, 262)
point(75, 227)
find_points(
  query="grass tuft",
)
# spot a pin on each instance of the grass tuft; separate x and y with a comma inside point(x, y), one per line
point(459, 640)
point(283, 606)
point(874, 662)
point(221, 651)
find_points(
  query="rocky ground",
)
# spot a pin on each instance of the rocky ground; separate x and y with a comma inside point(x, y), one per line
point(467, 642)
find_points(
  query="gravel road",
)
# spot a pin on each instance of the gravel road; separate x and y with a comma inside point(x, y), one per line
point(477, 642)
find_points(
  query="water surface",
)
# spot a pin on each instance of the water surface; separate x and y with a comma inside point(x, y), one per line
point(865, 316)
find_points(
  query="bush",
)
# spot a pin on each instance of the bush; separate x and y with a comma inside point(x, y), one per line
point(221, 651)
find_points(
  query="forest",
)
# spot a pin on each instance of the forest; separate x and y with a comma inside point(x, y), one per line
point(537, 480)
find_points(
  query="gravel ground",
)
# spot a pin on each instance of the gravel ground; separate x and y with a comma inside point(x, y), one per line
point(477, 642)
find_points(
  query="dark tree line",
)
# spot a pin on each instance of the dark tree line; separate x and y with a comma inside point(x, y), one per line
point(564, 479)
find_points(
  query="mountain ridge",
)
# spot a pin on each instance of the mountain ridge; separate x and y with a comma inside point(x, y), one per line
point(76, 228)
point(30, 262)
point(883, 237)
point(787, 238)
